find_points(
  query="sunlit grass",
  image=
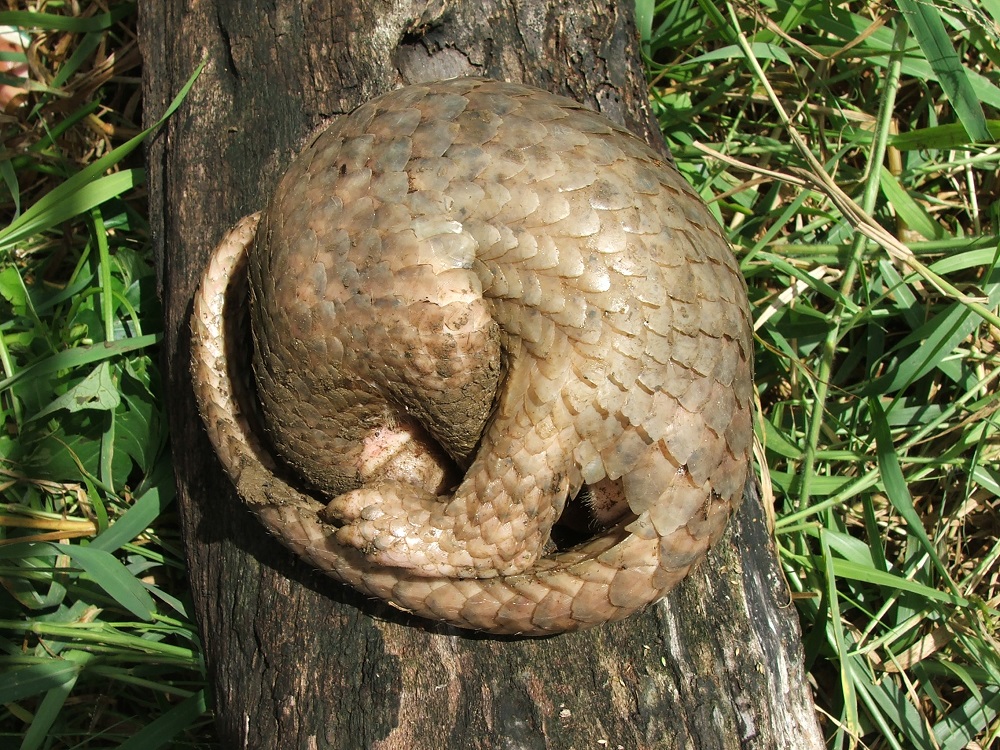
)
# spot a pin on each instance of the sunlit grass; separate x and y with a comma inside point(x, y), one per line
point(861, 195)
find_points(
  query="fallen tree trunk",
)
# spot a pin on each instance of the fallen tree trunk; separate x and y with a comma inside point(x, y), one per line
point(297, 660)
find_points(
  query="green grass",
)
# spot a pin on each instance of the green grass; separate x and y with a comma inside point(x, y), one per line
point(97, 644)
point(849, 151)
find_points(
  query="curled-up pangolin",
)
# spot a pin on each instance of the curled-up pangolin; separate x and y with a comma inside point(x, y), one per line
point(479, 309)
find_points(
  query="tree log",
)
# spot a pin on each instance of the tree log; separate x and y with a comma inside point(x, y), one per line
point(299, 661)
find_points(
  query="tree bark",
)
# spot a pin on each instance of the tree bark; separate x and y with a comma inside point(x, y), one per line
point(299, 661)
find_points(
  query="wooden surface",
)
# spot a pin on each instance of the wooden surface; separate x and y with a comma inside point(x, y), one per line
point(299, 661)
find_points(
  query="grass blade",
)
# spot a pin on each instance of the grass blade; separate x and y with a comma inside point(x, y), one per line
point(48, 710)
point(135, 520)
point(37, 678)
point(896, 488)
point(158, 733)
point(928, 29)
point(962, 725)
point(23, 19)
point(103, 568)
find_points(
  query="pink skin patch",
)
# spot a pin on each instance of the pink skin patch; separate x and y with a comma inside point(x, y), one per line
point(403, 452)
point(607, 502)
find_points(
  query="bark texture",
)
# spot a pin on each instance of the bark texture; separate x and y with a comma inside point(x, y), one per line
point(297, 660)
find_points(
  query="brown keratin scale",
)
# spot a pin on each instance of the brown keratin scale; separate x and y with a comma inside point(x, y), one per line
point(474, 305)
